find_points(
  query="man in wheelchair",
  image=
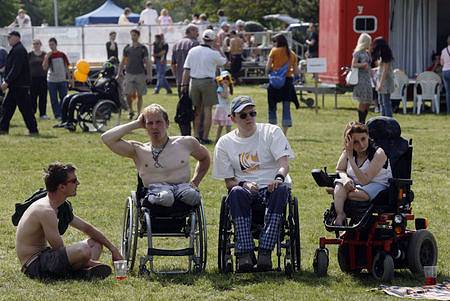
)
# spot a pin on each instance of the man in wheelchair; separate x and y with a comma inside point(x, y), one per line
point(254, 162)
point(162, 163)
point(104, 87)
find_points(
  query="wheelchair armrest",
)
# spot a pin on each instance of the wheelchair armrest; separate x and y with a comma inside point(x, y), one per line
point(324, 179)
point(400, 182)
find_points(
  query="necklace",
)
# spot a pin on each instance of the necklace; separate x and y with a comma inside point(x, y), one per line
point(156, 152)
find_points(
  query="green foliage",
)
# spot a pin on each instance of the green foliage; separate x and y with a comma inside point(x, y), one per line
point(8, 11)
point(107, 179)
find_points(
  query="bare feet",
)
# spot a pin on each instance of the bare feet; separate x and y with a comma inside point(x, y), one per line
point(339, 221)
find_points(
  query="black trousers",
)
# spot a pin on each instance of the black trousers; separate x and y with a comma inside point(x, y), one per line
point(18, 97)
point(38, 92)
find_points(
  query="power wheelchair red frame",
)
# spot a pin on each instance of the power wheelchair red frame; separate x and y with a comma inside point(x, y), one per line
point(377, 238)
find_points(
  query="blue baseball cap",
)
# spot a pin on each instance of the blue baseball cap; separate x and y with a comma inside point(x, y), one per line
point(240, 102)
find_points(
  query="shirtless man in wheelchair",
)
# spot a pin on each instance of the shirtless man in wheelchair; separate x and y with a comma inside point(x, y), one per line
point(163, 162)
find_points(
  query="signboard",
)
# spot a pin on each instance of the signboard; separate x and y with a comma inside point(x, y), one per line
point(316, 65)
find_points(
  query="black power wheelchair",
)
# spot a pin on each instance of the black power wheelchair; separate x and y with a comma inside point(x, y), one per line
point(376, 237)
point(142, 219)
point(98, 109)
point(288, 239)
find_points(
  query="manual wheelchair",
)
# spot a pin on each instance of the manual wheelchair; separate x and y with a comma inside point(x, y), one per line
point(99, 108)
point(142, 219)
point(376, 237)
point(288, 239)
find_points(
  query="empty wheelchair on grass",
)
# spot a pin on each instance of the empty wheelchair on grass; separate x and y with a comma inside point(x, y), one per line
point(288, 241)
point(97, 109)
point(145, 220)
point(376, 237)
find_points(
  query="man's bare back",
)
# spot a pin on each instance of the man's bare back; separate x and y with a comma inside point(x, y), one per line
point(30, 236)
point(173, 161)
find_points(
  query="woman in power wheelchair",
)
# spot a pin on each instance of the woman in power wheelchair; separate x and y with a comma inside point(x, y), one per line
point(376, 237)
point(100, 107)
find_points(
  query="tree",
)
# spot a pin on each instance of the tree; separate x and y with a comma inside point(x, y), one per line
point(8, 11)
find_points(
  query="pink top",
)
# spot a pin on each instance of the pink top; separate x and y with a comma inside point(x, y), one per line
point(445, 59)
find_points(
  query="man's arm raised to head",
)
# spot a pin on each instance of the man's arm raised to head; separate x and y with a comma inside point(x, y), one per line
point(49, 223)
point(113, 138)
point(203, 157)
point(95, 234)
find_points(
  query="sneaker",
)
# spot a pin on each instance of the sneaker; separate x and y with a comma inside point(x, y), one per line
point(71, 127)
point(264, 260)
point(169, 91)
point(244, 262)
point(33, 134)
point(3, 132)
point(130, 116)
point(100, 271)
point(155, 92)
point(44, 117)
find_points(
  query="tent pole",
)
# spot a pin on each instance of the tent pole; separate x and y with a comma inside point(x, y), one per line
point(55, 11)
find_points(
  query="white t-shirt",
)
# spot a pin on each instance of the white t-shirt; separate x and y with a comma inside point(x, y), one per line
point(253, 158)
point(148, 16)
point(23, 22)
point(203, 61)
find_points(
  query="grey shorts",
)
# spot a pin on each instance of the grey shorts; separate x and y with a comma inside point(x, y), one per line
point(49, 264)
point(164, 194)
point(203, 92)
point(134, 82)
point(372, 189)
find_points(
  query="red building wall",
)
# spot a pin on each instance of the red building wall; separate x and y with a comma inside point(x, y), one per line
point(337, 37)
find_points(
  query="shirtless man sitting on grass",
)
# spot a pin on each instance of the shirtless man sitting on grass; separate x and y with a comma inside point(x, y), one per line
point(39, 245)
point(163, 162)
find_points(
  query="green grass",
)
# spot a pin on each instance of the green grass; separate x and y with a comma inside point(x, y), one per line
point(107, 179)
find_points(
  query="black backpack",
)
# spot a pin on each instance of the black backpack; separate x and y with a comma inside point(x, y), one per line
point(65, 211)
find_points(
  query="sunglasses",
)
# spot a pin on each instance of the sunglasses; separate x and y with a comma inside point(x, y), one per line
point(73, 181)
point(244, 115)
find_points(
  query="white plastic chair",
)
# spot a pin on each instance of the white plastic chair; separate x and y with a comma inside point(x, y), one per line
point(401, 82)
point(430, 84)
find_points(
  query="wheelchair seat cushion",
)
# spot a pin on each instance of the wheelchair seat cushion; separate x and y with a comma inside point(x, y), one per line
point(177, 210)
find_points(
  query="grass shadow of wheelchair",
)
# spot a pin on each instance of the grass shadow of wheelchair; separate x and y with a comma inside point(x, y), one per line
point(40, 136)
point(401, 278)
point(226, 282)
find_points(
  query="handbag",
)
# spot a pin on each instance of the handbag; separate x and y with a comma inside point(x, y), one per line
point(278, 78)
point(352, 77)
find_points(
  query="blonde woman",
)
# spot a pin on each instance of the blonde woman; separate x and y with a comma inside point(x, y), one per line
point(362, 92)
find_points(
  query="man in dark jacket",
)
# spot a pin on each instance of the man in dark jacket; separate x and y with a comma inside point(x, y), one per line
point(18, 81)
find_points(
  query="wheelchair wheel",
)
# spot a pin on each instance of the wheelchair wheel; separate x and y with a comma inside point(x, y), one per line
point(422, 251)
point(200, 243)
point(224, 258)
point(105, 115)
point(130, 231)
point(84, 118)
point(344, 260)
point(298, 251)
point(383, 267)
point(321, 261)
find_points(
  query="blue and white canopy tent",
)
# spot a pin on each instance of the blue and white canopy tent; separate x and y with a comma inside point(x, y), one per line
point(108, 13)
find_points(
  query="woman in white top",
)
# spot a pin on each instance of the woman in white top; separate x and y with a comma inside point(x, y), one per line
point(364, 170)
point(123, 19)
point(445, 62)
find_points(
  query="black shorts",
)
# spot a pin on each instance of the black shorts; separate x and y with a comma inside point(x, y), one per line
point(49, 264)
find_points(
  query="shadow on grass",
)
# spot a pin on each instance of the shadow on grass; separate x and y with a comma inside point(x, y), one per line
point(232, 281)
point(40, 136)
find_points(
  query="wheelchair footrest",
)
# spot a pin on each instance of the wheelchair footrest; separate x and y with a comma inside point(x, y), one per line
point(165, 252)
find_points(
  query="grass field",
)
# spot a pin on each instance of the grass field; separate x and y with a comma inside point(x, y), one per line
point(107, 179)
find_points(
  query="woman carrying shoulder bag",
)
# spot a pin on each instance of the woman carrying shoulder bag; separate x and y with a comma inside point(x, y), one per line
point(278, 57)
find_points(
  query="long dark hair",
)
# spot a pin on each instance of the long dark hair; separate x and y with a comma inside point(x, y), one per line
point(381, 50)
point(282, 42)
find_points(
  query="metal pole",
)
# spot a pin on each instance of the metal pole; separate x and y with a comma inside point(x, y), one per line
point(55, 11)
